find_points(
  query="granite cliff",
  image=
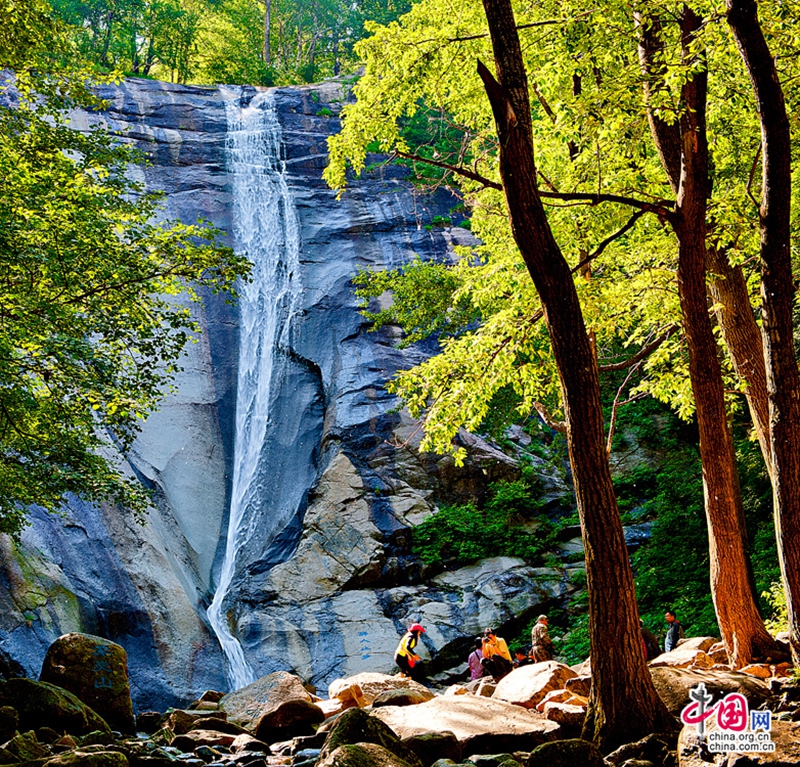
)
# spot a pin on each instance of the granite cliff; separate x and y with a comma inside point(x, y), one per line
point(323, 579)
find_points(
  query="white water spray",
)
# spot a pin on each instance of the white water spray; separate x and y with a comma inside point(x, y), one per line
point(266, 230)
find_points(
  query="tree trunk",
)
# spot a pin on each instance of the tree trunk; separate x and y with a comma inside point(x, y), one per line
point(777, 297)
point(623, 704)
point(266, 51)
point(732, 584)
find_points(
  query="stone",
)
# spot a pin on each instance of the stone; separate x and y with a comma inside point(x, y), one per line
point(22, 747)
point(526, 686)
point(682, 659)
point(40, 704)
point(566, 753)
point(481, 725)
point(566, 714)
point(456, 689)
point(357, 726)
point(579, 685)
point(554, 696)
point(245, 743)
point(371, 684)
point(88, 759)
point(718, 653)
point(215, 724)
point(245, 707)
point(362, 755)
point(9, 721)
point(334, 706)
point(758, 670)
point(179, 722)
point(148, 722)
point(652, 748)
point(289, 719)
point(189, 741)
point(402, 696)
point(431, 747)
point(95, 670)
point(493, 760)
point(697, 643)
point(673, 685)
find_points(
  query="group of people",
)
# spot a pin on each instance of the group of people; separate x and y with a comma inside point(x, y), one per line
point(491, 656)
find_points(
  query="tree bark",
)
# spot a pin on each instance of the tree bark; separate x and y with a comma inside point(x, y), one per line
point(726, 284)
point(777, 297)
point(266, 50)
point(732, 589)
point(623, 703)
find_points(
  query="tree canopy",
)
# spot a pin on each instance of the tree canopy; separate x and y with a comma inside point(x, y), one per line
point(90, 331)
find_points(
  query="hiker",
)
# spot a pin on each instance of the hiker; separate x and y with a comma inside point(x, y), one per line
point(404, 655)
point(474, 661)
point(541, 644)
point(652, 649)
point(521, 657)
point(674, 631)
point(496, 657)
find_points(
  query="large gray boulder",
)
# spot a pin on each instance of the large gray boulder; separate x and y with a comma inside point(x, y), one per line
point(247, 706)
point(96, 671)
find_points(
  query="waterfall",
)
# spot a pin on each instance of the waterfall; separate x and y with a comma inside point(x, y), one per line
point(266, 230)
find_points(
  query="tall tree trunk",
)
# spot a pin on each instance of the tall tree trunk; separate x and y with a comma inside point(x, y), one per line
point(266, 50)
point(683, 146)
point(623, 703)
point(777, 297)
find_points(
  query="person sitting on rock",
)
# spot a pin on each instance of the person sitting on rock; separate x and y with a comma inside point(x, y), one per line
point(521, 657)
point(474, 661)
point(496, 657)
point(404, 655)
point(541, 644)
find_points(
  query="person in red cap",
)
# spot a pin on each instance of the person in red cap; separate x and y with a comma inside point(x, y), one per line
point(404, 656)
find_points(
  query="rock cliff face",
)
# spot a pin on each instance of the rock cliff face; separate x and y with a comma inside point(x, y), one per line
point(329, 589)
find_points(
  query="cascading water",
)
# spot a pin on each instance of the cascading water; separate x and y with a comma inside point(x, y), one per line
point(266, 229)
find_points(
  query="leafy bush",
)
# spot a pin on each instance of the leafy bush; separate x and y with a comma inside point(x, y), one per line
point(508, 525)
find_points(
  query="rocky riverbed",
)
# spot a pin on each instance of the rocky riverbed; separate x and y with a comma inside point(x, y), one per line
point(530, 718)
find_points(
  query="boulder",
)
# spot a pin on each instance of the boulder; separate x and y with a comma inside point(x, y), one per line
point(334, 706)
point(481, 725)
point(526, 686)
point(580, 685)
point(288, 719)
point(9, 722)
point(681, 658)
point(245, 707)
point(718, 653)
point(371, 684)
point(758, 670)
point(40, 704)
point(362, 755)
point(697, 643)
point(554, 696)
point(95, 670)
point(148, 722)
point(402, 696)
point(652, 748)
point(430, 747)
point(22, 747)
point(215, 724)
point(357, 726)
point(189, 741)
point(180, 722)
point(673, 685)
point(245, 743)
point(88, 759)
point(569, 715)
point(566, 753)
point(493, 760)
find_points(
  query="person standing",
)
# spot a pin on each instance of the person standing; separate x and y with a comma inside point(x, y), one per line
point(496, 657)
point(674, 631)
point(652, 649)
point(474, 661)
point(405, 657)
point(541, 644)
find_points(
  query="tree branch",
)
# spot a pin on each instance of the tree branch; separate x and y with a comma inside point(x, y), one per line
point(644, 352)
point(548, 418)
point(613, 421)
point(608, 240)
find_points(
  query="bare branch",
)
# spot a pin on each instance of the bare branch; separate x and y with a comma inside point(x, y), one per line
point(613, 423)
point(642, 354)
point(548, 418)
point(608, 240)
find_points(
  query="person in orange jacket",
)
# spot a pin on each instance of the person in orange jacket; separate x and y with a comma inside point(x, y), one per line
point(496, 657)
point(404, 656)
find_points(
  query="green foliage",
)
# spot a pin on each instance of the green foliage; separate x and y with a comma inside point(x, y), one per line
point(508, 524)
point(776, 599)
point(424, 301)
point(91, 329)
